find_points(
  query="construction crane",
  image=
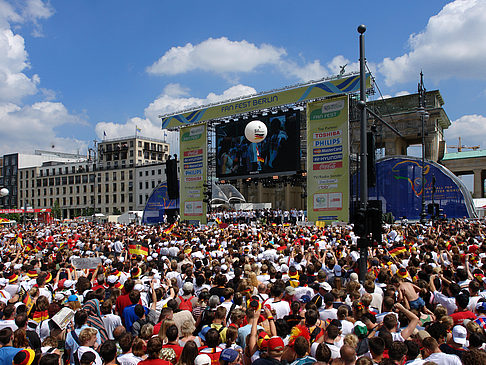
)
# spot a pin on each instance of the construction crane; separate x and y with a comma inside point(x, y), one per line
point(459, 147)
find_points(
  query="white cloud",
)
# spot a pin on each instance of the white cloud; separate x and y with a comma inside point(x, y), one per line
point(26, 127)
point(226, 57)
point(216, 55)
point(471, 129)
point(174, 98)
point(453, 44)
point(400, 93)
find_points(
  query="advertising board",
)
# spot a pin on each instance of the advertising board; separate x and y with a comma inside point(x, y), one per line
point(328, 160)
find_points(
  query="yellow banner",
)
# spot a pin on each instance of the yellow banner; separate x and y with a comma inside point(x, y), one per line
point(291, 96)
point(328, 160)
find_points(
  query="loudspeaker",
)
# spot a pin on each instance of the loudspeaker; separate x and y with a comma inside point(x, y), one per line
point(172, 181)
point(375, 221)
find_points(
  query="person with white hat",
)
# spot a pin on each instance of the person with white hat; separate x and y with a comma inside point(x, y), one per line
point(457, 344)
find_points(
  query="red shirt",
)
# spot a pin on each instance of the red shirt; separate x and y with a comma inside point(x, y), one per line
point(213, 353)
point(155, 362)
point(157, 328)
point(176, 347)
point(459, 317)
point(121, 302)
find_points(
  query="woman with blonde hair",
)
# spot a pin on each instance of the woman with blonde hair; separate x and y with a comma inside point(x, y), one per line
point(187, 330)
point(163, 329)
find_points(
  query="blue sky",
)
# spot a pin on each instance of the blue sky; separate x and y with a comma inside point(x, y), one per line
point(71, 70)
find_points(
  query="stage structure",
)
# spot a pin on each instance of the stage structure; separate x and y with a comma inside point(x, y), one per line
point(213, 144)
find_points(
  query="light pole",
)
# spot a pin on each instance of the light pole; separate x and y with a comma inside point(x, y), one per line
point(423, 116)
point(363, 173)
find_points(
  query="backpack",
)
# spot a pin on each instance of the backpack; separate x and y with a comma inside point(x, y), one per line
point(186, 303)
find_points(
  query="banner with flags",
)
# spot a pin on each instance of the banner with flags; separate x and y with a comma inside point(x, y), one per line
point(138, 249)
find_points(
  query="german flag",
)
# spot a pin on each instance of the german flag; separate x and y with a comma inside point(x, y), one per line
point(19, 239)
point(138, 249)
point(169, 229)
point(397, 251)
point(29, 303)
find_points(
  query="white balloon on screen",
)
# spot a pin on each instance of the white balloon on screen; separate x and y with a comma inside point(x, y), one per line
point(255, 131)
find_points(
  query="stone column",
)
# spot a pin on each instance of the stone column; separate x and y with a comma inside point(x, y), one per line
point(478, 184)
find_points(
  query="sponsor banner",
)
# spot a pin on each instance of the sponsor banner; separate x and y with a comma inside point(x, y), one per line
point(192, 159)
point(193, 148)
point(321, 151)
point(10, 211)
point(316, 90)
point(328, 160)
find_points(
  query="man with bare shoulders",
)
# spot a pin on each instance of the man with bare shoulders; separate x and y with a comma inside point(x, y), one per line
point(409, 291)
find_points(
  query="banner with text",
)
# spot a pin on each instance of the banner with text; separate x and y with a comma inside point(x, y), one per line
point(328, 160)
point(193, 171)
point(320, 89)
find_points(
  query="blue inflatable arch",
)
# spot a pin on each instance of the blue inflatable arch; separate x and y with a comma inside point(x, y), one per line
point(157, 204)
point(400, 188)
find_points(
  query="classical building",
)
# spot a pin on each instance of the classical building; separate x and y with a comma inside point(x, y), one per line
point(103, 182)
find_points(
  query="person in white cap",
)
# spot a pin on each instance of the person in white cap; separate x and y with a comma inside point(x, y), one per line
point(3, 293)
point(457, 345)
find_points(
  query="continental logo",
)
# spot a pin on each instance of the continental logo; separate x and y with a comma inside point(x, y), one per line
point(328, 110)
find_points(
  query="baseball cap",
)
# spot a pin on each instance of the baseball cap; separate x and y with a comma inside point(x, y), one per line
point(68, 283)
point(188, 287)
point(275, 344)
point(305, 299)
point(326, 286)
point(290, 290)
point(229, 355)
point(203, 332)
point(202, 359)
point(360, 329)
point(459, 335)
point(353, 277)
point(73, 298)
point(481, 306)
point(337, 270)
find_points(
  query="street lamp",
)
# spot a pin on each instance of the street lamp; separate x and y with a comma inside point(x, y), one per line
point(424, 116)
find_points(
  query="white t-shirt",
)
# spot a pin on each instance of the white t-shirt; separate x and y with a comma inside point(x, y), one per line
point(444, 359)
point(281, 308)
point(82, 349)
point(128, 359)
point(347, 327)
point(330, 313)
point(111, 321)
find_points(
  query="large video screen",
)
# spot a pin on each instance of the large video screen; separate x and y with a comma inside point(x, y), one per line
point(279, 152)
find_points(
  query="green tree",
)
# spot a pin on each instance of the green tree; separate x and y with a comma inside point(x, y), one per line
point(116, 211)
point(56, 210)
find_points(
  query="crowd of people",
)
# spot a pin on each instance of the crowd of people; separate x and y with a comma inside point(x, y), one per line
point(242, 293)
